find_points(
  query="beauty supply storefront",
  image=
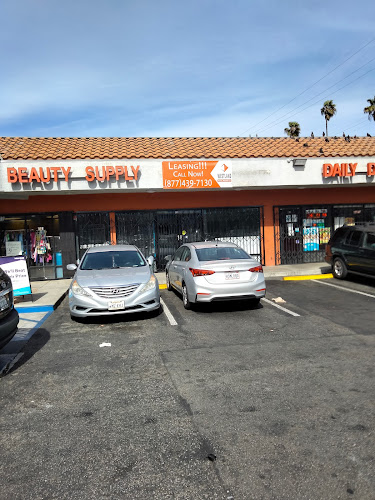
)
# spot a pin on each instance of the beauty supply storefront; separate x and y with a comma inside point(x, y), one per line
point(280, 209)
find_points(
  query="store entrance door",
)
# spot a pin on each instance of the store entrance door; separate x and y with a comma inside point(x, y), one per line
point(175, 227)
point(303, 234)
point(291, 236)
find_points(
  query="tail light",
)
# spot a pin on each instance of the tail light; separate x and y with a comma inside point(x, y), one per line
point(257, 269)
point(200, 272)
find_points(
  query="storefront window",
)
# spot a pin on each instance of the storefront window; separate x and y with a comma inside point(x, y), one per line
point(43, 247)
point(37, 238)
point(12, 236)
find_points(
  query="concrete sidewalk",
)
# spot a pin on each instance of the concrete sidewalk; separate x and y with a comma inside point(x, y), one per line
point(46, 296)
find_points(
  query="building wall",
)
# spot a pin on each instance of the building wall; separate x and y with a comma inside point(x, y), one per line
point(268, 198)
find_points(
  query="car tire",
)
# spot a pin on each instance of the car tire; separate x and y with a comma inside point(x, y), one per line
point(168, 281)
point(339, 269)
point(185, 297)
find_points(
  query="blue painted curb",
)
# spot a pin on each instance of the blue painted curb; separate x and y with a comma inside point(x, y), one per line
point(34, 309)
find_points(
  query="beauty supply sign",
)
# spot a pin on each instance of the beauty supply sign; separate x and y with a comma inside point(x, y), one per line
point(197, 174)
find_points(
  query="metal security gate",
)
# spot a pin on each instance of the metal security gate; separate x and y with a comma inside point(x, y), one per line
point(160, 233)
point(175, 228)
point(93, 229)
point(242, 226)
point(136, 228)
point(301, 233)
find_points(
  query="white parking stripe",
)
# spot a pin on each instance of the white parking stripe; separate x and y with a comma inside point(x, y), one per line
point(280, 307)
point(345, 289)
point(168, 313)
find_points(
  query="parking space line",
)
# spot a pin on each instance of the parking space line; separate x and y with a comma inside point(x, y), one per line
point(280, 307)
point(168, 313)
point(345, 289)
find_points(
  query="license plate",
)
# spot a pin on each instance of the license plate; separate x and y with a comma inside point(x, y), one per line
point(232, 276)
point(115, 305)
point(3, 303)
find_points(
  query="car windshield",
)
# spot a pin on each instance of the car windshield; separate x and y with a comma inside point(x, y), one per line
point(221, 253)
point(112, 260)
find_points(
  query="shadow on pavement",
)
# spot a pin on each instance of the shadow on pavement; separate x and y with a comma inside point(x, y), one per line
point(222, 305)
point(118, 318)
point(35, 344)
point(225, 307)
point(362, 280)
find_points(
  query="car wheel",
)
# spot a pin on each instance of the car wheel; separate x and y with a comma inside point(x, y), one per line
point(185, 297)
point(169, 286)
point(339, 269)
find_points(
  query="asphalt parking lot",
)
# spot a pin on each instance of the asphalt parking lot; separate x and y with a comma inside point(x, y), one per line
point(225, 401)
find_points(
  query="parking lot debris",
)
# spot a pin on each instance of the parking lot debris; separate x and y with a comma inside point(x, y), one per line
point(279, 300)
point(211, 457)
point(105, 344)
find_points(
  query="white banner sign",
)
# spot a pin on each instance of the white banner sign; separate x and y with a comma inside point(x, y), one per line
point(16, 269)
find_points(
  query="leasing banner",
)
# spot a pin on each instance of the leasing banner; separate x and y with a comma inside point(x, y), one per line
point(197, 174)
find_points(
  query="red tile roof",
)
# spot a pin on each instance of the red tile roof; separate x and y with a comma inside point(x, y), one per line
point(61, 148)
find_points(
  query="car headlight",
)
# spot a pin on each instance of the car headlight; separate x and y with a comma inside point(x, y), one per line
point(150, 285)
point(78, 290)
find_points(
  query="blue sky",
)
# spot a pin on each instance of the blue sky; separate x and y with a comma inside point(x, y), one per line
point(174, 68)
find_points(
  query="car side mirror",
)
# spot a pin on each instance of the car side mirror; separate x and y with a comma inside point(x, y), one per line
point(71, 267)
point(150, 260)
point(168, 257)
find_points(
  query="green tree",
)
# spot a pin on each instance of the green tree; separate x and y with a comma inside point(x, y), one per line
point(370, 110)
point(294, 129)
point(328, 110)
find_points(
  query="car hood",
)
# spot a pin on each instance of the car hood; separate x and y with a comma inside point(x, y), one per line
point(112, 277)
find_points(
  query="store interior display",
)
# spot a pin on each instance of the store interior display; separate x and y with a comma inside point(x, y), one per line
point(37, 238)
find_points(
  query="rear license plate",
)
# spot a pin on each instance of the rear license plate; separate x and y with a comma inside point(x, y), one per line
point(232, 276)
point(3, 303)
point(115, 305)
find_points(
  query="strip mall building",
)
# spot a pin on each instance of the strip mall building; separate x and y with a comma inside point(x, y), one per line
point(278, 198)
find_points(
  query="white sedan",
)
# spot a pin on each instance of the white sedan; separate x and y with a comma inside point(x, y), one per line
point(211, 271)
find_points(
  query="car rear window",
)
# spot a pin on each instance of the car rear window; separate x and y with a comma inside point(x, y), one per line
point(112, 260)
point(221, 253)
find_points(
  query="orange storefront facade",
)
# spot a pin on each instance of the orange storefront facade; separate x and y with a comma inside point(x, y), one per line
point(280, 199)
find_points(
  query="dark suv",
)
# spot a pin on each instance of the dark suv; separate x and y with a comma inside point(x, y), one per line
point(352, 250)
point(8, 315)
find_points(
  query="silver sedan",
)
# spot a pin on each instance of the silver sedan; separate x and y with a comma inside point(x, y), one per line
point(113, 279)
point(212, 271)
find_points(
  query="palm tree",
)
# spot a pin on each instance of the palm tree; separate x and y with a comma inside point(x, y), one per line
point(328, 110)
point(293, 130)
point(370, 110)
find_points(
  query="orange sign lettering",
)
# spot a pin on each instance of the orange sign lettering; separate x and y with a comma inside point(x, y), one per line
point(102, 174)
point(370, 169)
point(339, 170)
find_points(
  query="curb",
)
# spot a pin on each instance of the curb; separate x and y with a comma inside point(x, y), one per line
point(308, 277)
point(45, 308)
